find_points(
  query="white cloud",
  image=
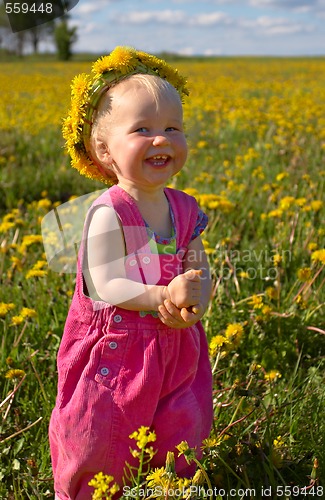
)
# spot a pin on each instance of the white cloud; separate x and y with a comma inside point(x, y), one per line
point(191, 27)
point(162, 16)
point(90, 8)
point(296, 5)
point(210, 19)
point(212, 52)
point(173, 17)
point(275, 26)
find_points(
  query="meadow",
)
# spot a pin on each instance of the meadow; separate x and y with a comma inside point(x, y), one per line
point(256, 130)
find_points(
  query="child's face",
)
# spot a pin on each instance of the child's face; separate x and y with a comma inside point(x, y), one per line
point(145, 140)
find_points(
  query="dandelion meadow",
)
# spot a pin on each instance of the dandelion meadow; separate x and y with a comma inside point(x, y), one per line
point(256, 130)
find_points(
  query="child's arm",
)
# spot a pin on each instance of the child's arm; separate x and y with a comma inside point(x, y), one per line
point(169, 314)
point(104, 271)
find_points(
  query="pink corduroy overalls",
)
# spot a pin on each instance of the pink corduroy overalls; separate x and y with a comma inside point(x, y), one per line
point(120, 369)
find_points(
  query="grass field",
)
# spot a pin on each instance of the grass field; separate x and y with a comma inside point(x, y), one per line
point(256, 130)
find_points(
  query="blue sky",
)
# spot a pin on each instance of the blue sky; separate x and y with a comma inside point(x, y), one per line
point(210, 27)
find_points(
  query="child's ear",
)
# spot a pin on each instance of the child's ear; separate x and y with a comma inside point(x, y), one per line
point(102, 152)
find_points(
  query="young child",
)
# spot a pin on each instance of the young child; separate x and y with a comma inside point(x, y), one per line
point(133, 351)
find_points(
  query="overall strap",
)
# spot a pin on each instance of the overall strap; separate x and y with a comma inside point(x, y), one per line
point(135, 235)
point(133, 225)
point(185, 209)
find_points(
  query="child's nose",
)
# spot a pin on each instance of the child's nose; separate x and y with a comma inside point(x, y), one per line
point(160, 140)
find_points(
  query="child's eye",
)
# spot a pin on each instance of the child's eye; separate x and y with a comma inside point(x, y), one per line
point(173, 129)
point(142, 129)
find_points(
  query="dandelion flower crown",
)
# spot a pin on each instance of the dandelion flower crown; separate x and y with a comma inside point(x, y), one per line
point(87, 90)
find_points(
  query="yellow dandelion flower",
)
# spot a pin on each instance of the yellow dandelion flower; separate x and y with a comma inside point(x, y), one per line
point(277, 258)
point(302, 304)
point(191, 191)
point(71, 130)
point(234, 330)
point(121, 59)
point(316, 205)
point(156, 476)
point(256, 301)
point(304, 274)
point(40, 264)
point(276, 213)
point(272, 293)
point(255, 366)
point(135, 453)
point(15, 373)
point(272, 375)
point(286, 202)
point(16, 320)
point(29, 240)
point(278, 442)
point(266, 311)
point(150, 452)
point(28, 313)
point(318, 256)
point(6, 226)
point(281, 176)
point(143, 436)
point(216, 343)
point(80, 87)
point(258, 172)
point(101, 483)
point(312, 246)
point(222, 204)
point(233, 333)
point(301, 201)
point(185, 450)
point(36, 273)
point(44, 203)
point(5, 308)
point(225, 241)
point(37, 270)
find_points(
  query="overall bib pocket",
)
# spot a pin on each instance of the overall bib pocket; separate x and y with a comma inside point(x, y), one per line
point(113, 351)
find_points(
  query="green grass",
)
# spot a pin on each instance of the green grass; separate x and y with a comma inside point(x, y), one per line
point(269, 395)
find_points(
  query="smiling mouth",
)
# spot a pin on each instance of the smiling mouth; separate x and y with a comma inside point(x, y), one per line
point(159, 160)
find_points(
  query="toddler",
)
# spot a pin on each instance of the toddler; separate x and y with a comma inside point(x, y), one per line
point(133, 352)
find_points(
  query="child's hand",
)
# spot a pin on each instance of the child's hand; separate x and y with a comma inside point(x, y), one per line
point(185, 289)
point(173, 317)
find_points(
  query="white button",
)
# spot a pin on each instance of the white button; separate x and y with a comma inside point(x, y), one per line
point(113, 345)
point(104, 371)
point(146, 260)
point(132, 262)
point(117, 318)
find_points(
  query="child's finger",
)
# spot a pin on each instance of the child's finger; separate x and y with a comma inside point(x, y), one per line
point(187, 314)
point(193, 274)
